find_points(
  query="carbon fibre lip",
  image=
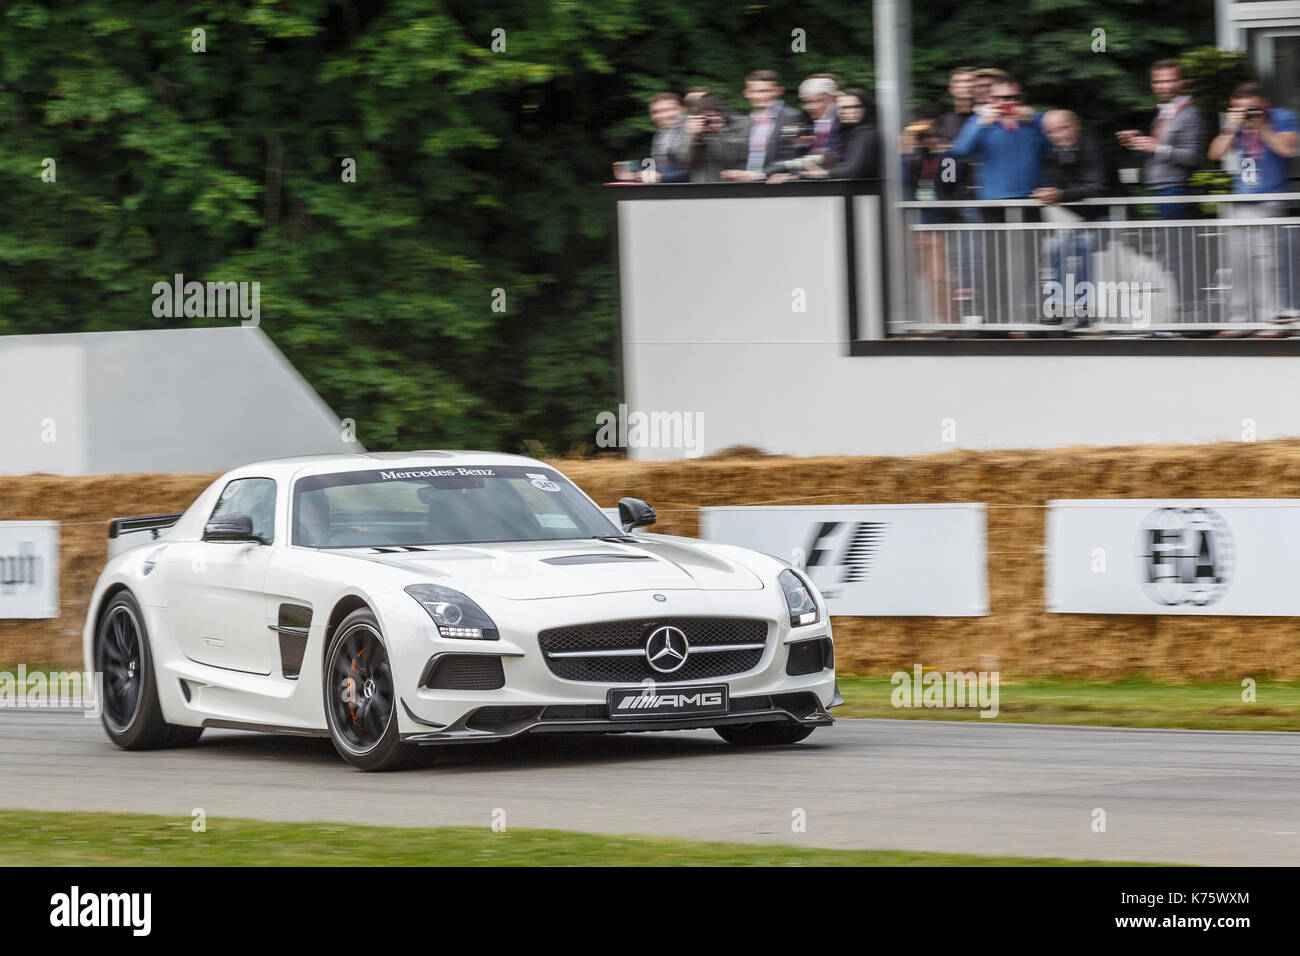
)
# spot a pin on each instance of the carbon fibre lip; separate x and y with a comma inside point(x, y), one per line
point(459, 733)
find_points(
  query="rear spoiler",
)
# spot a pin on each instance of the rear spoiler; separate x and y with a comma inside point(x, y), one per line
point(126, 533)
point(120, 526)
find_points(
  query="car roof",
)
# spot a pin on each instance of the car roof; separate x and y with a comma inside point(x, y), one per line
point(286, 468)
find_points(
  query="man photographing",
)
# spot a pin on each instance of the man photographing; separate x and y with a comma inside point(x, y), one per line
point(1173, 148)
point(1266, 138)
point(1266, 141)
point(709, 145)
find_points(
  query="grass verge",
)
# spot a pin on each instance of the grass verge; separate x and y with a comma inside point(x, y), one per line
point(37, 838)
point(1129, 703)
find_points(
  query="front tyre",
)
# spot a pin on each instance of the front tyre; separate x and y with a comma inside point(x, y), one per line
point(130, 710)
point(764, 735)
point(361, 701)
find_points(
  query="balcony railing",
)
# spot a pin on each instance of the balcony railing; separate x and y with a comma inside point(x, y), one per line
point(1017, 268)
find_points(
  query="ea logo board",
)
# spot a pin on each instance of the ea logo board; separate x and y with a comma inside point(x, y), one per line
point(1172, 556)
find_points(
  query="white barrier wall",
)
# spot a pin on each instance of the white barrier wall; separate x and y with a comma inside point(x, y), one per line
point(710, 295)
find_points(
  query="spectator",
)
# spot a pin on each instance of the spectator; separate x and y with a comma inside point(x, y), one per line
point(965, 248)
point(692, 97)
point(666, 113)
point(709, 145)
point(860, 156)
point(924, 153)
point(1076, 166)
point(772, 131)
point(961, 87)
point(818, 97)
point(925, 157)
point(1008, 137)
point(818, 94)
point(1266, 140)
point(859, 139)
point(982, 87)
point(1075, 169)
point(1173, 148)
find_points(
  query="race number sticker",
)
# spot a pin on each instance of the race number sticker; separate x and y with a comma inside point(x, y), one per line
point(542, 483)
point(560, 522)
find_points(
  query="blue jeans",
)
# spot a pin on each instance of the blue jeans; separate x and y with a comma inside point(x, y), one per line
point(1174, 210)
point(1291, 268)
point(1072, 256)
point(966, 258)
point(1178, 246)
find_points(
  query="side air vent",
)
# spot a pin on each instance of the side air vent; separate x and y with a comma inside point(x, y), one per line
point(809, 657)
point(293, 627)
point(465, 672)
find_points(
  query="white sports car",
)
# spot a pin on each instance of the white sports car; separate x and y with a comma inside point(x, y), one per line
point(394, 601)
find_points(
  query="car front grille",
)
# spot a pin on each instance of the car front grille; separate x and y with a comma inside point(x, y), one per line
point(744, 640)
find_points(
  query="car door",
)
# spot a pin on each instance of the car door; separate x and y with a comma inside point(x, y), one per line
point(216, 589)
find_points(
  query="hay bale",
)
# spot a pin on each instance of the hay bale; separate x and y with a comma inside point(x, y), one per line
point(1016, 485)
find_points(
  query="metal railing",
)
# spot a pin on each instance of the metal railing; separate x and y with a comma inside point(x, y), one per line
point(1018, 267)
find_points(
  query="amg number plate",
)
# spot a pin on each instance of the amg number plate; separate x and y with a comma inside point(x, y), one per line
point(655, 702)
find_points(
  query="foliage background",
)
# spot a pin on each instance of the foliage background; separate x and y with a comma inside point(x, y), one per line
point(475, 170)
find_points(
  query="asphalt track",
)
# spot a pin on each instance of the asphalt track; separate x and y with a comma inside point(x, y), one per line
point(980, 787)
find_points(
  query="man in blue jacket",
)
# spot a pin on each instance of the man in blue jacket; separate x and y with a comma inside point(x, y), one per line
point(1006, 138)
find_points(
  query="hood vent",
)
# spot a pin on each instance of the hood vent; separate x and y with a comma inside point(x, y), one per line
point(596, 558)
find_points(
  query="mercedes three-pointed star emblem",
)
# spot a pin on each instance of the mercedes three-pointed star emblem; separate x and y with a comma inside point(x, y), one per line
point(666, 649)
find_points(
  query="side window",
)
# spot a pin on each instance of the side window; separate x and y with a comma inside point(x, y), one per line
point(254, 497)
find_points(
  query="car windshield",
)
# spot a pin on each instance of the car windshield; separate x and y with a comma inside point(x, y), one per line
point(442, 504)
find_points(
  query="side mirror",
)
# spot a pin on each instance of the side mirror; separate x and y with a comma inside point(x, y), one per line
point(635, 513)
point(230, 527)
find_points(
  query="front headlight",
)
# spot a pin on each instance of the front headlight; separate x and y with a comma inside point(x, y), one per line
point(799, 599)
point(454, 613)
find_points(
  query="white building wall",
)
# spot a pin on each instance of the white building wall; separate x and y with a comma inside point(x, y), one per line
point(709, 329)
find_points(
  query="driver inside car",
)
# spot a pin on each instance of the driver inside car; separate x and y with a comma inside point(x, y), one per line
point(313, 519)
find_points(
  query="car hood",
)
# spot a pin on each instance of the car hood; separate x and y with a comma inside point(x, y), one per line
point(533, 570)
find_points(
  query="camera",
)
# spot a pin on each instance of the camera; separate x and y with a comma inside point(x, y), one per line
point(801, 163)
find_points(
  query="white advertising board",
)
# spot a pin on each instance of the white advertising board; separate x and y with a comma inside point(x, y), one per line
point(872, 560)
